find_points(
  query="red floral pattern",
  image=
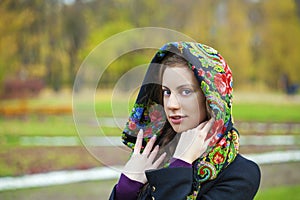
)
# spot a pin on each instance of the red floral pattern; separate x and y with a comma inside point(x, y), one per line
point(148, 132)
point(155, 116)
point(223, 84)
point(218, 158)
point(132, 125)
point(201, 72)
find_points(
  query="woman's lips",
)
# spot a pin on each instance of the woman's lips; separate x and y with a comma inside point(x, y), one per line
point(176, 119)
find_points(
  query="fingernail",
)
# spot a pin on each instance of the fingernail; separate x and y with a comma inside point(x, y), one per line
point(141, 132)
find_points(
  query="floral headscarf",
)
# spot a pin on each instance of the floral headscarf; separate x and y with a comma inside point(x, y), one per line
point(215, 80)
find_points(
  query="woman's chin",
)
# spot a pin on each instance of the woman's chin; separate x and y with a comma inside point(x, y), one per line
point(179, 129)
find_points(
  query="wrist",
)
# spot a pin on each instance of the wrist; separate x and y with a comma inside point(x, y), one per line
point(135, 176)
point(183, 158)
point(178, 163)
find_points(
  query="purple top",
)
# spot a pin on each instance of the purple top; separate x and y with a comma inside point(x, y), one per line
point(128, 189)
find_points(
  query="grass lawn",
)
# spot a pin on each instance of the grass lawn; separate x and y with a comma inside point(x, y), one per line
point(254, 107)
point(47, 126)
point(262, 112)
point(279, 193)
point(19, 160)
point(94, 190)
point(280, 110)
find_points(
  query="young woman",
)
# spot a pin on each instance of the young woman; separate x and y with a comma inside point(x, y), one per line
point(181, 132)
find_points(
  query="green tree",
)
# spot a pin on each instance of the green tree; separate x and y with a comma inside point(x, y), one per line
point(279, 49)
point(75, 31)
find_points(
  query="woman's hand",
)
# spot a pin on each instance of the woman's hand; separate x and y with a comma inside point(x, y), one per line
point(192, 142)
point(138, 163)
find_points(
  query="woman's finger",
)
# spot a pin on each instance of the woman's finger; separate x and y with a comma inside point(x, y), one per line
point(153, 154)
point(138, 143)
point(159, 160)
point(149, 145)
point(205, 144)
point(206, 128)
point(201, 125)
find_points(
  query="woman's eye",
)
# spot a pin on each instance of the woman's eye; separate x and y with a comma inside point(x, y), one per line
point(166, 92)
point(186, 92)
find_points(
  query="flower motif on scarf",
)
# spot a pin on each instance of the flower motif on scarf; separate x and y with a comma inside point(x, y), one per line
point(217, 127)
point(137, 113)
point(150, 119)
point(131, 125)
point(155, 116)
point(218, 158)
point(201, 72)
point(222, 83)
point(204, 62)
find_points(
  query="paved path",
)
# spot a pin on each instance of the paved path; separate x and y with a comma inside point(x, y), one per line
point(258, 140)
point(104, 173)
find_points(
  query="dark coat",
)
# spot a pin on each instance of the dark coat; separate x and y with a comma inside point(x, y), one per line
point(239, 181)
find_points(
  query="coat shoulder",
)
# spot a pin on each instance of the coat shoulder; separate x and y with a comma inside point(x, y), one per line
point(244, 167)
point(240, 180)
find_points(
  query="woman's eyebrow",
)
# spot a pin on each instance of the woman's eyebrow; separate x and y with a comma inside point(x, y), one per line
point(186, 85)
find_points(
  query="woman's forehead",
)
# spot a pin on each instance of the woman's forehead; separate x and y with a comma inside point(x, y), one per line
point(179, 75)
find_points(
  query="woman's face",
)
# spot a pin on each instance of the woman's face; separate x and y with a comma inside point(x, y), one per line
point(184, 102)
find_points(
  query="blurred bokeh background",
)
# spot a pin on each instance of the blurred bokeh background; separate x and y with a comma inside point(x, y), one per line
point(43, 43)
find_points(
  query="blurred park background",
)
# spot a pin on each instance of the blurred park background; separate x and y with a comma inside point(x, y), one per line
point(43, 43)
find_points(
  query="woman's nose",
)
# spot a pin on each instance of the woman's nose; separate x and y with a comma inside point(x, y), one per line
point(173, 102)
